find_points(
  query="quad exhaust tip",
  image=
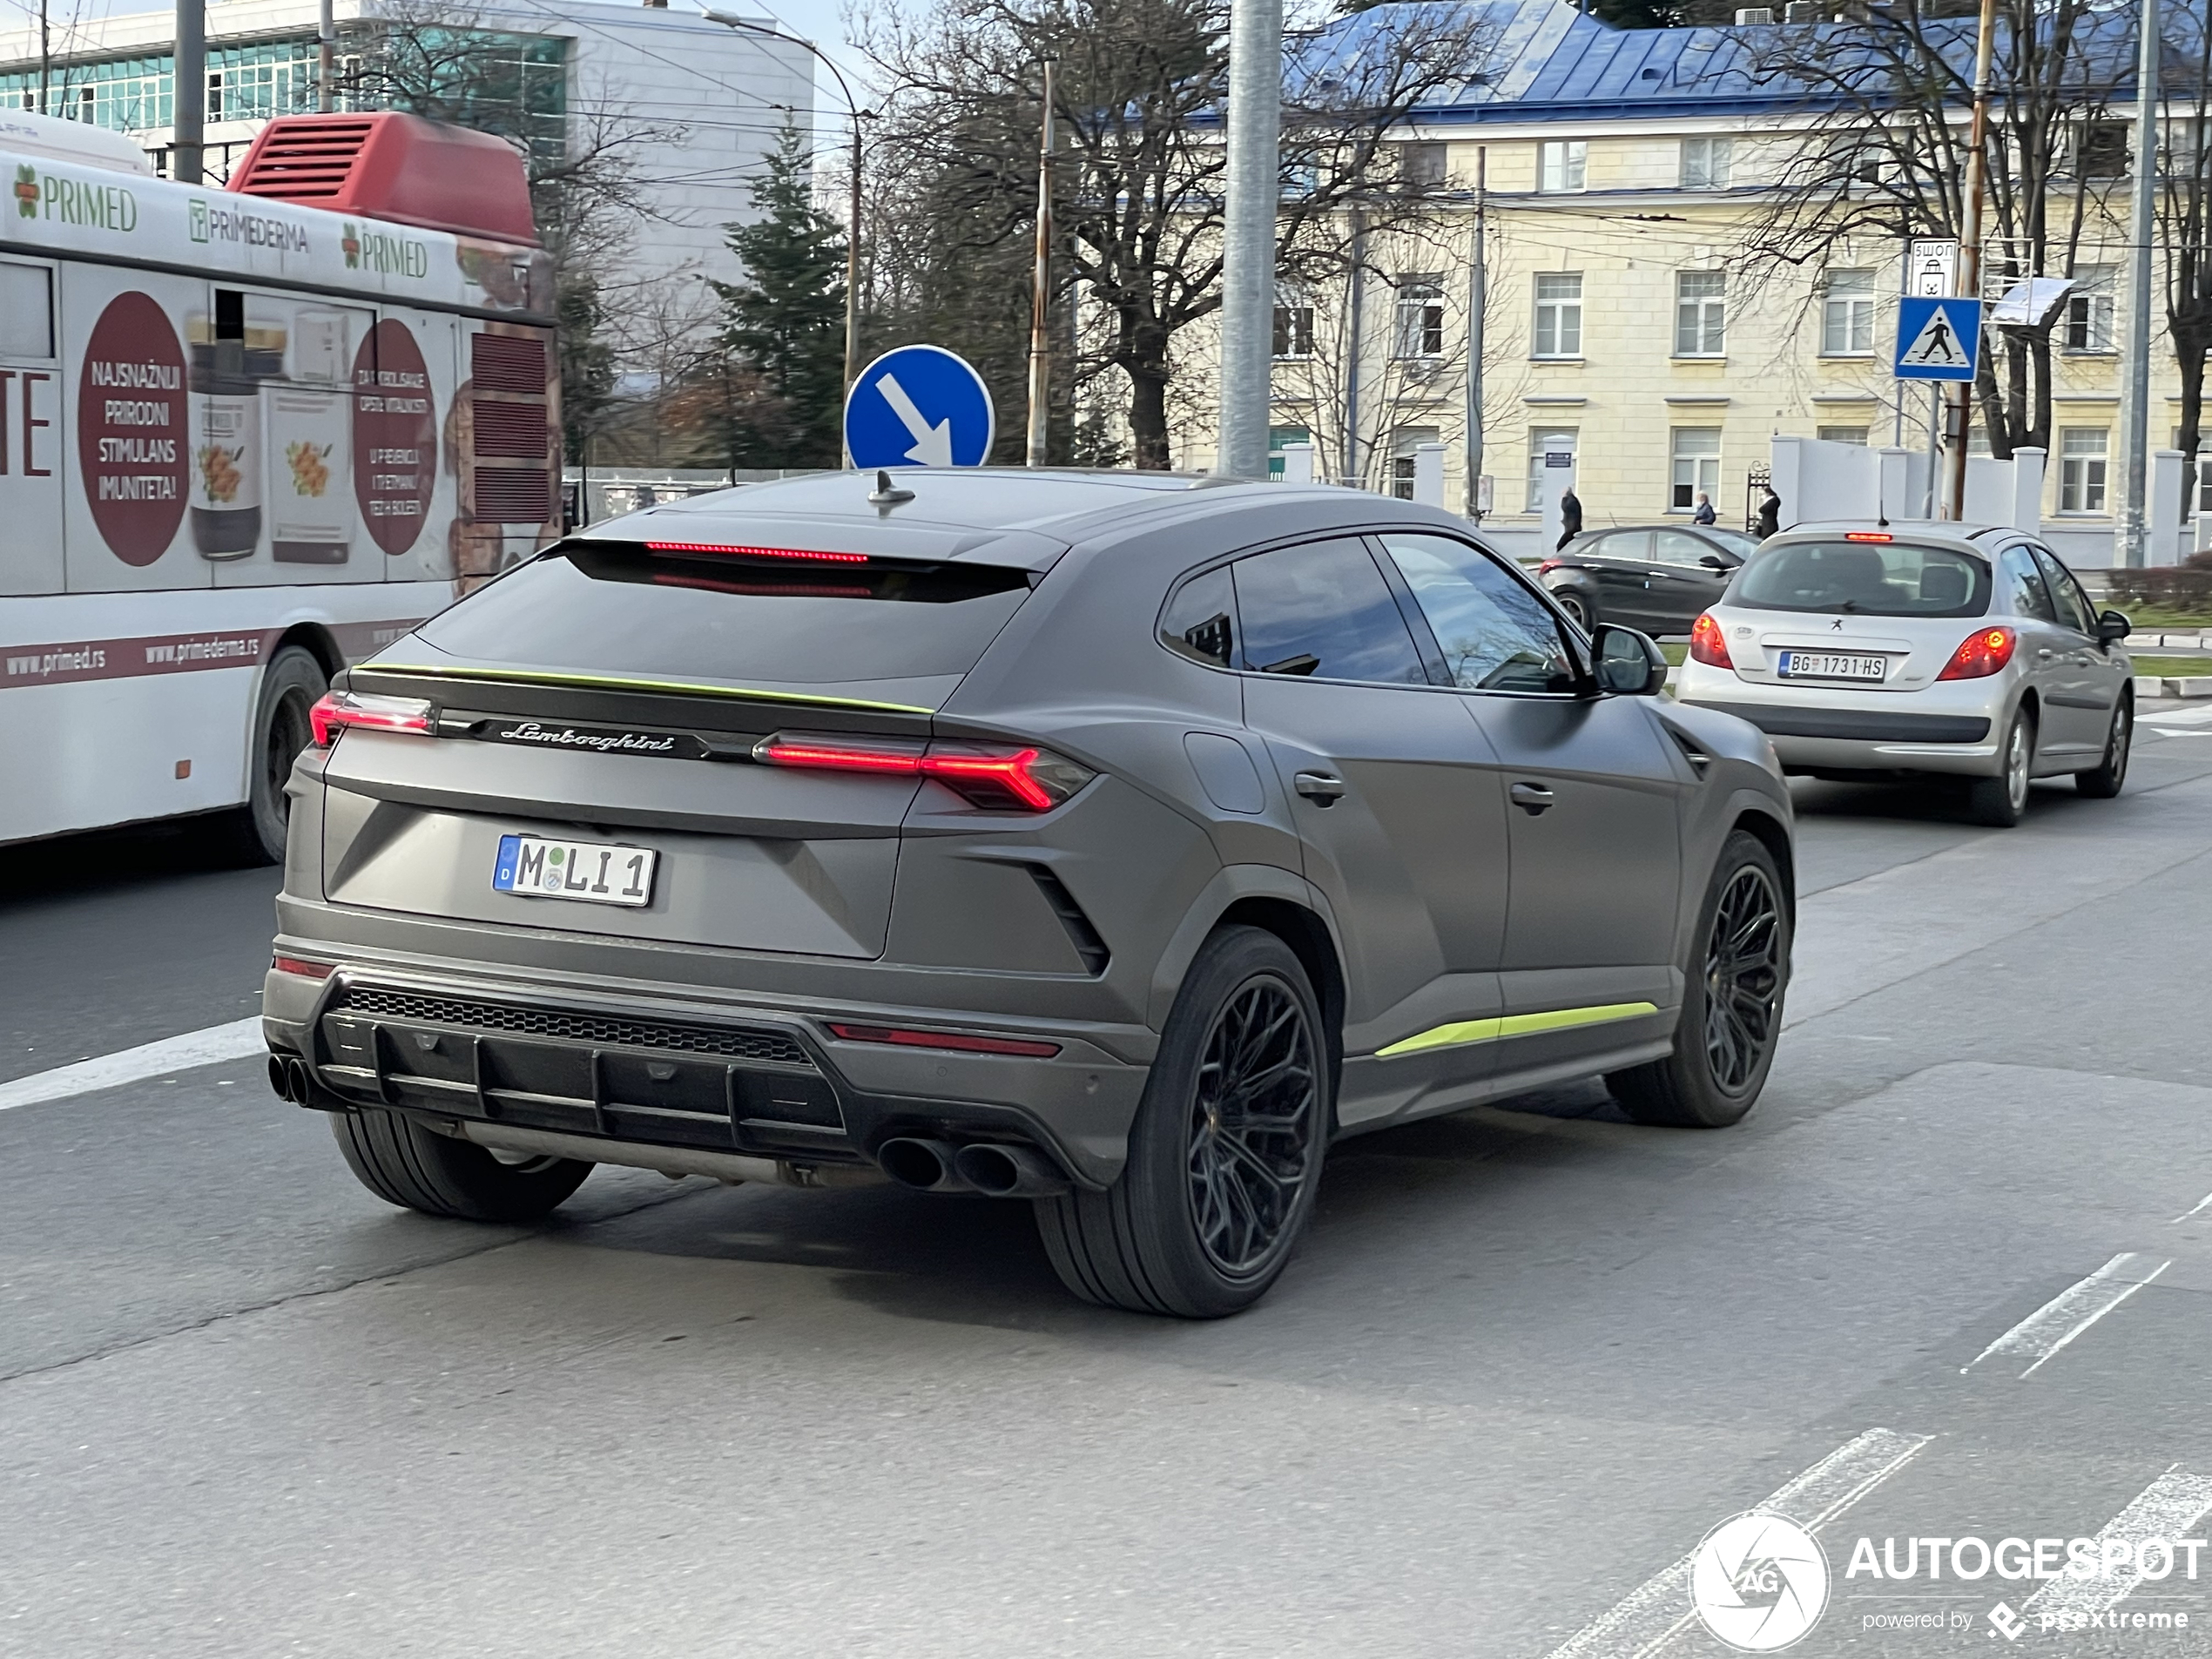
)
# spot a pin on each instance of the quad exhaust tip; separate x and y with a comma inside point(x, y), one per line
point(288, 1076)
point(995, 1170)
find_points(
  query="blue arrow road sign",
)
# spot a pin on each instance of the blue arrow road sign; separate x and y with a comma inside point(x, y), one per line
point(919, 406)
point(1937, 340)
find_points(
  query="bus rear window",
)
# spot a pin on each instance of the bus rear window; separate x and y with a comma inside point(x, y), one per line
point(1863, 579)
point(611, 607)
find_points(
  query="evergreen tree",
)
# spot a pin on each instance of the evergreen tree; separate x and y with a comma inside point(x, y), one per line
point(784, 320)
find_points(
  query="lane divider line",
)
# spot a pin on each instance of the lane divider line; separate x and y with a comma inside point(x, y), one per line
point(2203, 1205)
point(2168, 1508)
point(1659, 1610)
point(237, 1041)
point(2073, 1311)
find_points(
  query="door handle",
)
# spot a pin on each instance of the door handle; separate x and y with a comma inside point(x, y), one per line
point(1532, 799)
point(1319, 787)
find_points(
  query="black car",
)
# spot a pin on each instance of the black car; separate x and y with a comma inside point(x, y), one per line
point(1654, 577)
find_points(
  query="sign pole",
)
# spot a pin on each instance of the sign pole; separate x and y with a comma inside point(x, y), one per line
point(1477, 279)
point(1961, 400)
point(188, 95)
point(2135, 347)
point(1041, 291)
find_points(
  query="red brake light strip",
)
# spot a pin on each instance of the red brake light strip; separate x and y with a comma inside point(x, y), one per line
point(959, 1042)
point(731, 552)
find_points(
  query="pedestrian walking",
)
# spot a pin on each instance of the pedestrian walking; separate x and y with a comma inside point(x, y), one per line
point(1769, 515)
point(1704, 515)
point(1570, 517)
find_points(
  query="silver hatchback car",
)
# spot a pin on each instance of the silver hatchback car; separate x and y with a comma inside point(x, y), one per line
point(1866, 650)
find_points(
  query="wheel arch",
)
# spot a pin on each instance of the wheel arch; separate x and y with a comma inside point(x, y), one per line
point(317, 641)
point(1774, 835)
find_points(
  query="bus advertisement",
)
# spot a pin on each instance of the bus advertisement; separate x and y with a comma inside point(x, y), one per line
point(247, 434)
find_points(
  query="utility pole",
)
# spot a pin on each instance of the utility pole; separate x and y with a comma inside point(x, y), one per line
point(1248, 235)
point(1959, 397)
point(1477, 278)
point(2134, 344)
point(188, 95)
point(325, 60)
point(46, 60)
point(1041, 289)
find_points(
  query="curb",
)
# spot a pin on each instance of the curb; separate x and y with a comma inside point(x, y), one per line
point(2185, 685)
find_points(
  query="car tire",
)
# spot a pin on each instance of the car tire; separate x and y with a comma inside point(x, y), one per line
point(254, 833)
point(2002, 801)
point(1211, 1206)
point(1731, 1011)
point(415, 1167)
point(2106, 779)
point(1578, 608)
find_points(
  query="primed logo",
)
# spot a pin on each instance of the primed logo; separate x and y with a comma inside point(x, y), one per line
point(27, 191)
point(1759, 1581)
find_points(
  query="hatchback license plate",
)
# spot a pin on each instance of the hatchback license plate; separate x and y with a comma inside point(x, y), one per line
point(1825, 666)
point(531, 866)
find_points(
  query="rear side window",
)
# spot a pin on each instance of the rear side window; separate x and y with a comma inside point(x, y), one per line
point(1323, 611)
point(620, 608)
point(2024, 585)
point(1864, 578)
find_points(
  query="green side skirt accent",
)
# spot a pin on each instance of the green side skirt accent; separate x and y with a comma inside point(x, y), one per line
point(618, 683)
point(1464, 1032)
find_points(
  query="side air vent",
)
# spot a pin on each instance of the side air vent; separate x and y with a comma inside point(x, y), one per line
point(1692, 750)
point(1081, 933)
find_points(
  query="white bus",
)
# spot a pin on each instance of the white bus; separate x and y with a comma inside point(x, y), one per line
point(243, 441)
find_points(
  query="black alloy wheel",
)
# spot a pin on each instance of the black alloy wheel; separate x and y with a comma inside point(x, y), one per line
point(1731, 1023)
point(1251, 1122)
point(1743, 980)
point(1225, 1153)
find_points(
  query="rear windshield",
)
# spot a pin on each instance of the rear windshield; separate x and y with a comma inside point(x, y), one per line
point(617, 607)
point(1864, 578)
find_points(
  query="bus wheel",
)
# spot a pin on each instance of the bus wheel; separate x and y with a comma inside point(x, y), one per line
point(289, 688)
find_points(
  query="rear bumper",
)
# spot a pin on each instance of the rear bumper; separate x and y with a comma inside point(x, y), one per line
point(690, 1077)
point(1951, 727)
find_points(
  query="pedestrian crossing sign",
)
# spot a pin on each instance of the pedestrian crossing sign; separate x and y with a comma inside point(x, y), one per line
point(1937, 340)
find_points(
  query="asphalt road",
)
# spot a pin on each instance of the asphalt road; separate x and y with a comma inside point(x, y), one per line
point(1530, 1356)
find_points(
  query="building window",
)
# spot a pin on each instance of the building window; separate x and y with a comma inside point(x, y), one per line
point(1420, 165)
point(1546, 440)
point(1696, 465)
point(1559, 314)
point(1705, 163)
point(2089, 309)
point(1293, 326)
point(1419, 332)
point(1562, 164)
point(2081, 469)
point(1403, 443)
point(1847, 315)
point(1843, 434)
point(2100, 150)
point(1700, 313)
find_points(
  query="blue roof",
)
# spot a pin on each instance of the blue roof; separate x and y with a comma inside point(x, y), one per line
point(1552, 62)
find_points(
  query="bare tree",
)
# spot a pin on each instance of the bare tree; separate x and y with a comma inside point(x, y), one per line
point(1878, 147)
point(1138, 188)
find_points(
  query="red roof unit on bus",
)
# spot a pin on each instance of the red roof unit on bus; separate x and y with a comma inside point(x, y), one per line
point(393, 166)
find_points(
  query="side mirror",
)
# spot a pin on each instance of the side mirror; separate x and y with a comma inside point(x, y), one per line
point(1628, 664)
point(1716, 561)
point(2112, 625)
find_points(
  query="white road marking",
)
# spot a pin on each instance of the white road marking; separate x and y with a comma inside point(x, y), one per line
point(2073, 1311)
point(2179, 716)
point(2168, 1508)
point(2203, 1205)
point(1659, 1610)
point(236, 1040)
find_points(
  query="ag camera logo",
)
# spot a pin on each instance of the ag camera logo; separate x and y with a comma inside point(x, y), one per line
point(1758, 1581)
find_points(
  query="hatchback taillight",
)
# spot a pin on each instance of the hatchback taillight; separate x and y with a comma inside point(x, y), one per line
point(1707, 643)
point(1980, 654)
point(1549, 566)
point(338, 710)
point(1024, 780)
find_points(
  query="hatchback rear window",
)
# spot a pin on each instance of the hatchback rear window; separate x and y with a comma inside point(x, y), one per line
point(611, 607)
point(1864, 578)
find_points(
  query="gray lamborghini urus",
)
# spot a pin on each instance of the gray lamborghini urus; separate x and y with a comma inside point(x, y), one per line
point(1112, 842)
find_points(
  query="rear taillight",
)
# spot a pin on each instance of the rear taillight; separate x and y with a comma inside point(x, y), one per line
point(338, 710)
point(1549, 566)
point(1707, 645)
point(958, 1041)
point(300, 965)
point(741, 551)
point(1027, 780)
point(1980, 654)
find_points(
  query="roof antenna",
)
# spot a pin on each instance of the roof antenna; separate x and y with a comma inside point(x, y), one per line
point(884, 494)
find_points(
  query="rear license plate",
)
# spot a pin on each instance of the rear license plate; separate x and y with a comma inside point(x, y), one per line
point(1826, 665)
point(531, 866)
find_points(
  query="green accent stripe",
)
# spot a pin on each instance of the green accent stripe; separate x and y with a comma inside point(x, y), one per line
point(1461, 1033)
point(616, 683)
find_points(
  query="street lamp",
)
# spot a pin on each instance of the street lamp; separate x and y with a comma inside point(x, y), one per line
point(731, 20)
